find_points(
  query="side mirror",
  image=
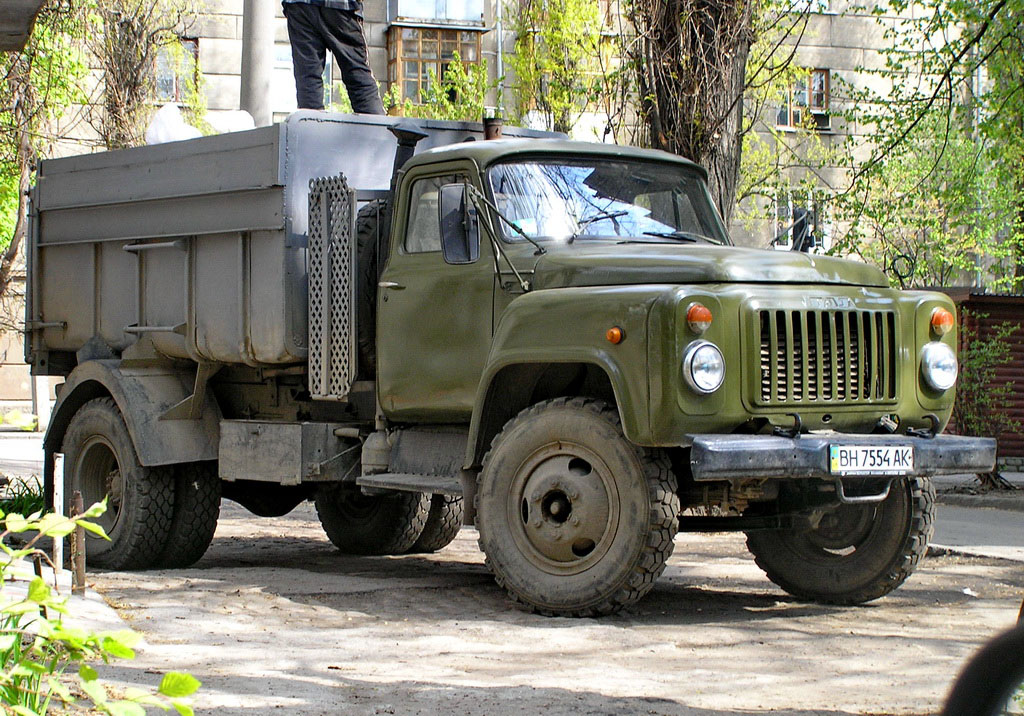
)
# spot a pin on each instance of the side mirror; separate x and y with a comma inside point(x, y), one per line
point(460, 226)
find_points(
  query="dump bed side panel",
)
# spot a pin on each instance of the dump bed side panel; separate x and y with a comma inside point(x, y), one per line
point(200, 244)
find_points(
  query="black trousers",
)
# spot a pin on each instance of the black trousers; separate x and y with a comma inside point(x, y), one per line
point(312, 30)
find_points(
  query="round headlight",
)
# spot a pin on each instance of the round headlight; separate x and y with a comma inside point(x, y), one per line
point(939, 366)
point(704, 367)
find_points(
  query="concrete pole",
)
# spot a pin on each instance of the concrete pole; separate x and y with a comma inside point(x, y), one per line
point(257, 59)
point(41, 401)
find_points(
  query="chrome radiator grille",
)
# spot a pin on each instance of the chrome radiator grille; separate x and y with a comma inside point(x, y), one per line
point(817, 357)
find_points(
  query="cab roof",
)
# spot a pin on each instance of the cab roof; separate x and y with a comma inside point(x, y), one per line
point(485, 152)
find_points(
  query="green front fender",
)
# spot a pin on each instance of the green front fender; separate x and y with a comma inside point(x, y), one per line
point(566, 326)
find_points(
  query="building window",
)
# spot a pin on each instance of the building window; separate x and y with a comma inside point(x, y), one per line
point(416, 52)
point(431, 11)
point(177, 68)
point(801, 219)
point(807, 102)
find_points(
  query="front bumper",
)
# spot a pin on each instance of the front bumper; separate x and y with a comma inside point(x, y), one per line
point(736, 457)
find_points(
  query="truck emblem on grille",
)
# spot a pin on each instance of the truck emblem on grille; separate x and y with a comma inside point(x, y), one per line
point(829, 302)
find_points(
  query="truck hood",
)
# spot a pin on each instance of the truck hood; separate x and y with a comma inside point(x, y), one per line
point(629, 264)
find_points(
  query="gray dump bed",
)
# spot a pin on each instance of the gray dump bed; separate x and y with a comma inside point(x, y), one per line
point(199, 244)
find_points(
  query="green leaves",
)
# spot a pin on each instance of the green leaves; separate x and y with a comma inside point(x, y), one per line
point(36, 646)
point(557, 59)
point(38, 590)
point(177, 685)
point(115, 648)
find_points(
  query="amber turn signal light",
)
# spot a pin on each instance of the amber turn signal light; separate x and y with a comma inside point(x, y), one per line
point(615, 335)
point(942, 321)
point(698, 317)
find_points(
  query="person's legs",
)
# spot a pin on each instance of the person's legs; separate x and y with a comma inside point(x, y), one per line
point(343, 34)
point(308, 54)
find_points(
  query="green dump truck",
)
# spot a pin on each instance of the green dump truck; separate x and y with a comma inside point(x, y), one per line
point(418, 329)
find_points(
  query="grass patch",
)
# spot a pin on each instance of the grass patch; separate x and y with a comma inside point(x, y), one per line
point(22, 496)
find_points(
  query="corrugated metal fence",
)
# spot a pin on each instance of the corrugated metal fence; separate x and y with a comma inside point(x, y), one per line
point(984, 312)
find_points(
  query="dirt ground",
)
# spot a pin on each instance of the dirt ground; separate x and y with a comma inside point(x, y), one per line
point(274, 620)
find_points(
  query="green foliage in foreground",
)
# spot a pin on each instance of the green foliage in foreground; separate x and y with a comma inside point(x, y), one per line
point(38, 650)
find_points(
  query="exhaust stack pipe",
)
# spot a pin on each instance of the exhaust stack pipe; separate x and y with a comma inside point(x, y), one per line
point(408, 136)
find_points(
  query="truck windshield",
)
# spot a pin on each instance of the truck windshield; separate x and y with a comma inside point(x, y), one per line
point(595, 198)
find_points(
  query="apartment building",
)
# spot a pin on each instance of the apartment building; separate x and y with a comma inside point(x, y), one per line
point(409, 39)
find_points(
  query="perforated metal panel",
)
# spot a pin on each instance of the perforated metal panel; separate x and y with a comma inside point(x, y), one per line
point(331, 258)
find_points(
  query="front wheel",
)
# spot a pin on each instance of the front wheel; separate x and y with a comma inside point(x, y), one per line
point(574, 519)
point(857, 552)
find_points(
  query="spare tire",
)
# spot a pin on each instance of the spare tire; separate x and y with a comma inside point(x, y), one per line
point(371, 224)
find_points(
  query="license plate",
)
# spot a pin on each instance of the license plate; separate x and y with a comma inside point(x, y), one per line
point(871, 459)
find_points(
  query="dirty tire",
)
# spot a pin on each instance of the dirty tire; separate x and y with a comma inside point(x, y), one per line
point(857, 553)
point(196, 509)
point(369, 223)
point(574, 519)
point(444, 520)
point(377, 524)
point(100, 460)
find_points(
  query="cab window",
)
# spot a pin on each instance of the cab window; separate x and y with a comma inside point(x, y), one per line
point(423, 230)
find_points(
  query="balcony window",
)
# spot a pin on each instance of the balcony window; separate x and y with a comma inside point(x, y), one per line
point(415, 52)
point(463, 12)
point(807, 102)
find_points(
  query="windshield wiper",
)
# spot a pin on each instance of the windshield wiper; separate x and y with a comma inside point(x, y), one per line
point(583, 223)
point(680, 236)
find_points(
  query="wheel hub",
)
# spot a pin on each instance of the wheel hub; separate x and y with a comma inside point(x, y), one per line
point(567, 506)
point(115, 488)
point(99, 476)
point(845, 528)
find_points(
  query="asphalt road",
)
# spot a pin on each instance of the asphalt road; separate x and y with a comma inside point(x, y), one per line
point(986, 532)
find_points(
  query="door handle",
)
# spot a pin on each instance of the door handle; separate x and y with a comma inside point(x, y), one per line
point(391, 284)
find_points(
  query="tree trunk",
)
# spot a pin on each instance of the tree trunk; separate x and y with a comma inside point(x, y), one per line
point(690, 64)
point(19, 89)
point(994, 481)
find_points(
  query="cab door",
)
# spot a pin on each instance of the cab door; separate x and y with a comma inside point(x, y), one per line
point(434, 319)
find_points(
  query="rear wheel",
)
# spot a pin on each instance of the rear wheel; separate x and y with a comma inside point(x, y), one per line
point(574, 519)
point(857, 552)
point(196, 509)
point(371, 524)
point(100, 462)
point(444, 520)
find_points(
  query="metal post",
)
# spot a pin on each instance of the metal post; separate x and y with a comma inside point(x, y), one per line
point(78, 547)
point(58, 507)
point(500, 27)
point(257, 59)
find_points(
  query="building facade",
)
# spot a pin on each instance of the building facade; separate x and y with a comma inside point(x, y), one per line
point(407, 41)
point(411, 40)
